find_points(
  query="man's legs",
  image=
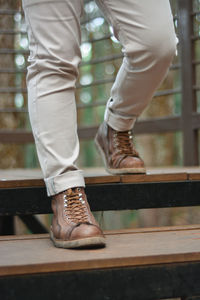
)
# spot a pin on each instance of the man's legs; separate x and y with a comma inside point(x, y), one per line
point(146, 32)
point(54, 38)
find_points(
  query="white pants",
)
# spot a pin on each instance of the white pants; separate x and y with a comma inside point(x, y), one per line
point(146, 32)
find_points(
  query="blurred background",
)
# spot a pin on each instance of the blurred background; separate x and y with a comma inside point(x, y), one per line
point(166, 134)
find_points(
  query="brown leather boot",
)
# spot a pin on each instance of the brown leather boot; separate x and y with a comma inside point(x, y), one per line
point(117, 150)
point(73, 225)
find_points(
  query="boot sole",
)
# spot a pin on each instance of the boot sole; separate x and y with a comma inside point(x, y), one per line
point(117, 171)
point(89, 242)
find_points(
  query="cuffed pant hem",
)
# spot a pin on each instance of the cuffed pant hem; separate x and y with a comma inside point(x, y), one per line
point(117, 122)
point(64, 181)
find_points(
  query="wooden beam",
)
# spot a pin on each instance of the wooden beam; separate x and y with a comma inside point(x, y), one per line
point(108, 196)
point(190, 136)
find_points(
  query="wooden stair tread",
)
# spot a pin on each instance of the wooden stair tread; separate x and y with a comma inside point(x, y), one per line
point(107, 232)
point(27, 178)
point(125, 249)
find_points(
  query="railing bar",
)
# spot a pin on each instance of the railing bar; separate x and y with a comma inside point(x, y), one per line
point(21, 90)
point(196, 12)
point(13, 51)
point(12, 31)
point(105, 37)
point(167, 92)
point(91, 62)
point(83, 21)
point(8, 11)
point(196, 88)
point(102, 59)
point(13, 90)
point(196, 62)
point(10, 70)
point(89, 105)
point(195, 38)
point(13, 110)
point(114, 57)
point(157, 94)
point(96, 82)
point(97, 103)
point(156, 125)
point(14, 70)
point(94, 104)
point(102, 103)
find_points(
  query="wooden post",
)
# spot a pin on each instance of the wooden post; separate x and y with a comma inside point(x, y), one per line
point(190, 138)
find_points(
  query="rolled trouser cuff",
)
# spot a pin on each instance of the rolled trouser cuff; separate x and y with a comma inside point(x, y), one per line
point(64, 181)
point(118, 122)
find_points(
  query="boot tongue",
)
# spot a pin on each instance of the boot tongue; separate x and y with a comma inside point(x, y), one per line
point(78, 190)
point(69, 192)
point(72, 191)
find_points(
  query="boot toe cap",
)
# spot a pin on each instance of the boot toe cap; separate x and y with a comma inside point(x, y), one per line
point(132, 162)
point(85, 231)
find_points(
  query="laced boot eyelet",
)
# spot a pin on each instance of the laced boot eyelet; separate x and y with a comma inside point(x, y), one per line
point(65, 200)
point(82, 201)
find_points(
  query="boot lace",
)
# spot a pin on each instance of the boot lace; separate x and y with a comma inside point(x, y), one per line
point(74, 206)
point(123, 141)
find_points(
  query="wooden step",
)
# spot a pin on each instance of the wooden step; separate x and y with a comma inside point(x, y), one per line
point(16, 178)
point(106, 192)
point(28, 255)
point(165, 260)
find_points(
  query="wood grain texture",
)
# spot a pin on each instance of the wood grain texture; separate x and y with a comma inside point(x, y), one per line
point(123, 250)
point(154, 177)
point(194, 176)
point(4, 184)
point(102, 179)
point(40, 182)
point(33, 178)
point(108, 232)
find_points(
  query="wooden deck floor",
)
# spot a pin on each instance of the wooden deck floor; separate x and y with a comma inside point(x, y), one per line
point(136, 247)
point(33, 177)
point(12, 174)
